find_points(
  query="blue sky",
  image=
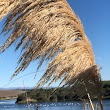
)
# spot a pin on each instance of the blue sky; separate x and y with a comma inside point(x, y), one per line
point(95, 17)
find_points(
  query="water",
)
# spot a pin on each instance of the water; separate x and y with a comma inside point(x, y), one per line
point(76, 105)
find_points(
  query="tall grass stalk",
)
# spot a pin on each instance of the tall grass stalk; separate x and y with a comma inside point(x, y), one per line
point(26, 96)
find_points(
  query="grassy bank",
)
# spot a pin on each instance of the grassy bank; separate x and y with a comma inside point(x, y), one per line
point(10, 94)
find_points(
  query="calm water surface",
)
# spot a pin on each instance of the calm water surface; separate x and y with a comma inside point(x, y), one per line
point(76, 105)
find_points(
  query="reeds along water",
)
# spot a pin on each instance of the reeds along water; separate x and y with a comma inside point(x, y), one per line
point(50, 30)
point(87, 106)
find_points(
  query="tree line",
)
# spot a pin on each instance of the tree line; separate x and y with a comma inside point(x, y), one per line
point(58, 94)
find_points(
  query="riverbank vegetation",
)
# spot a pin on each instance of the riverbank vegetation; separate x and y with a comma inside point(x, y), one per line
point(58, 94)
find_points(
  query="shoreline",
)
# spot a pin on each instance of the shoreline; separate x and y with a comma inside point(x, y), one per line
point(8, 98)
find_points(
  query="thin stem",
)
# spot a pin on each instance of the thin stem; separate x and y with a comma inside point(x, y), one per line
point(101, 104)
point(89, 98)
point(26, 96)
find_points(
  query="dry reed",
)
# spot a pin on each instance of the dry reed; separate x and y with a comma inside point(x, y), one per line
point(50, 30)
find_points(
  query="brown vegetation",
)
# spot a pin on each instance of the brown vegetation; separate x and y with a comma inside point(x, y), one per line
point(48, 30)
point(8, 94)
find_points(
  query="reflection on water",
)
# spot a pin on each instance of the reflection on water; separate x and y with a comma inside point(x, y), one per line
point(76, 105)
